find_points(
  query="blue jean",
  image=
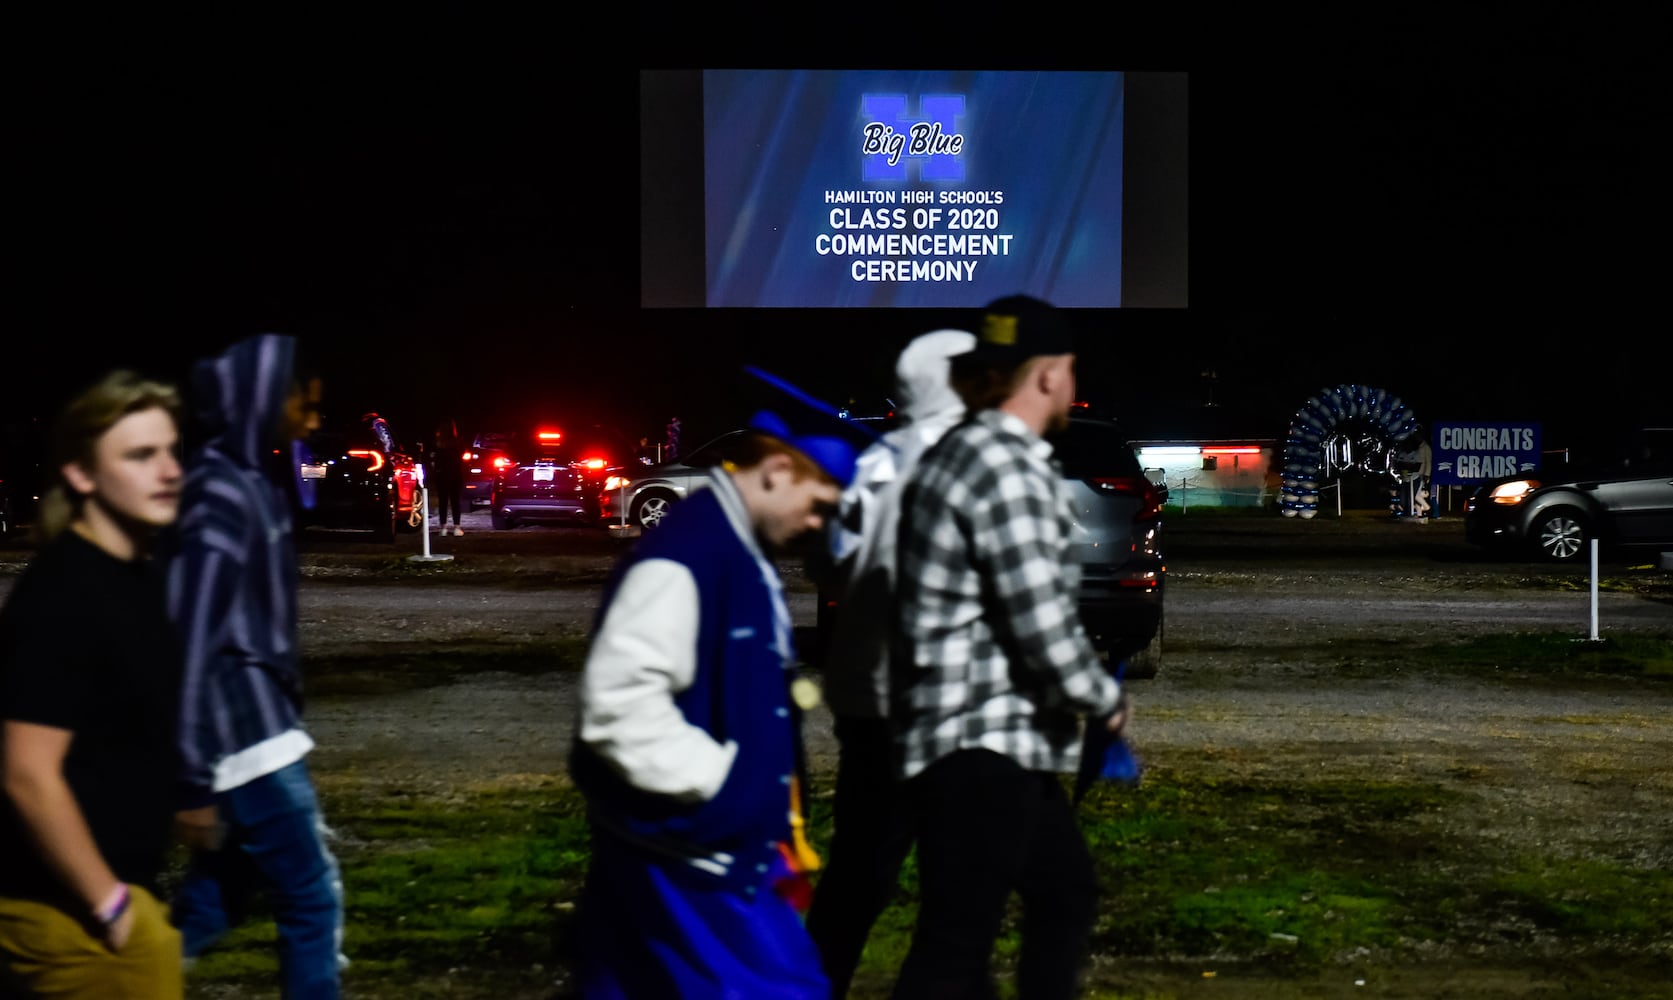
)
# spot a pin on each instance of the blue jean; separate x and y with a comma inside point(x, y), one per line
point(274, 844)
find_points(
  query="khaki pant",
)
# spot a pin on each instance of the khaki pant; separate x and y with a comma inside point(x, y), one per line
point(46, 953)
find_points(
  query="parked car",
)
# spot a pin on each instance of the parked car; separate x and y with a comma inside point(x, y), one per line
point(555, 477)
point(641, 495)
point(1117, 534)
point(1625, 501)
point(1117, 538)
point(22, 472)
point(345, 480)
point(489, 454)
point(8, 521)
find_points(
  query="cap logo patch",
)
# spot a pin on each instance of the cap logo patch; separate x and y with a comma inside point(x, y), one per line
point(1000, 330)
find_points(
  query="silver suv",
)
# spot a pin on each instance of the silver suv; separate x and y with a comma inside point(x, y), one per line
point(639, 496)
point(1624, 500)
point(1117, 539)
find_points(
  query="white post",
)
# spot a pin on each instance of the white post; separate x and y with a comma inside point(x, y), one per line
point(426, 522)
point(1594, 589)
point(1338, 498)
point(427, 557)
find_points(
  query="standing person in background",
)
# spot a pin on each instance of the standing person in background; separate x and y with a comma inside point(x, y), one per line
point(247, 805)
point(380, 430)
point(687, 743)
point(89, 698)
point(873, 827)
point(671, 453)
point(445, 476)
point(993, 672)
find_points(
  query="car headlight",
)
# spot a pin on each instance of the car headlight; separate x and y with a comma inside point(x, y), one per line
point(1514, 492)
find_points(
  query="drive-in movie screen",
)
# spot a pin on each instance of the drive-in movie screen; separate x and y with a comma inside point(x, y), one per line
point(885, 188)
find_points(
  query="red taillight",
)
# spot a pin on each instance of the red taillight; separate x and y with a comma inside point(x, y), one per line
point(550, 435)
point(375, 457)
point(1142, 490)
point(1144, 581)
point(469, 456)
point(502, 462)
point(592, 464)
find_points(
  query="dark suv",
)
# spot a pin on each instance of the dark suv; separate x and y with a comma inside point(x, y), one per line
point(489, 454)
point(1624, 500)
point(345, 480)
point(555, 477)
point(1117, 540)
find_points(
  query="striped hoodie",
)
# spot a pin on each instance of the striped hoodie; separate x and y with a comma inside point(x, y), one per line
point(232, 580)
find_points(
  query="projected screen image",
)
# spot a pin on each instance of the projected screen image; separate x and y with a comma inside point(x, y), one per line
point(884, 188)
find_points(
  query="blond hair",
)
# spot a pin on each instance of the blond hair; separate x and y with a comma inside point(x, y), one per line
point(76, 432)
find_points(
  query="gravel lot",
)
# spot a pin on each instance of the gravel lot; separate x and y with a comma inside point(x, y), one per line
point(1250, 681)
point(1253, 609)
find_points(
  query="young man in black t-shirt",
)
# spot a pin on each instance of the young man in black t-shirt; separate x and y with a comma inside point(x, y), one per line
point(89, 700)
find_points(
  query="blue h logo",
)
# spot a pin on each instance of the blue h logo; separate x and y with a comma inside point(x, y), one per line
point(891, 139)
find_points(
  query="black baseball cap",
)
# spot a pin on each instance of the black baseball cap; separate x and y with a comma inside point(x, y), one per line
point(1015, 328)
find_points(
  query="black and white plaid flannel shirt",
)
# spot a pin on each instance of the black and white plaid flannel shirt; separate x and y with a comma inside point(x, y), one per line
point(990, 651)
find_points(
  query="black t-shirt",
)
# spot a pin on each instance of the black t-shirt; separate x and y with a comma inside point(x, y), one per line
point(86, 645)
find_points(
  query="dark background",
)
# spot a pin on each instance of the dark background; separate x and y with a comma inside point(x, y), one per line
point(1467, 211)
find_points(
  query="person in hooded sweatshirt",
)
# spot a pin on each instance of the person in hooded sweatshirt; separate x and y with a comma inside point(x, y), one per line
point(246, 803)
point(873, 833)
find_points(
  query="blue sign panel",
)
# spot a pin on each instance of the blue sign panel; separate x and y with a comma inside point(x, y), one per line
point(1471, 452)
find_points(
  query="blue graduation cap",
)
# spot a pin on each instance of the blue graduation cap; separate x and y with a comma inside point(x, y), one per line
point(815, 428)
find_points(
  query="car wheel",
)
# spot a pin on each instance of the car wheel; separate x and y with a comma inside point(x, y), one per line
point(651, 507)
point(501, 521)
point(1143, 664)
point(1559, 535)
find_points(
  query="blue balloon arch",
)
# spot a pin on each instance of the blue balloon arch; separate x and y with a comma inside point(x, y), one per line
point(1319, 425)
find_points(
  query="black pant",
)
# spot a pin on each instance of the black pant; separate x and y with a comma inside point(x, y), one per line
point(448, 492)
point(873, 836)
point(986, 828)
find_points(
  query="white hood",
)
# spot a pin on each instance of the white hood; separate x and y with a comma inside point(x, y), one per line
point(921, 377)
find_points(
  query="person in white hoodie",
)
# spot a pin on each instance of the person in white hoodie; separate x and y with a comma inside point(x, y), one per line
point(873, 832)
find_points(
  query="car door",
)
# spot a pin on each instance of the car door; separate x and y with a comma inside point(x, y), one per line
point(1640, 507)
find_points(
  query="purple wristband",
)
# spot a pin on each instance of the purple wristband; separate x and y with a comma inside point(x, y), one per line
point(115, 906)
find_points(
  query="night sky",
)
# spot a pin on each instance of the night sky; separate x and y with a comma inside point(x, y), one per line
point(1468, 214)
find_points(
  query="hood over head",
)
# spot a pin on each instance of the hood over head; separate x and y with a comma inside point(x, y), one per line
point(239, 395)
point(921, 375)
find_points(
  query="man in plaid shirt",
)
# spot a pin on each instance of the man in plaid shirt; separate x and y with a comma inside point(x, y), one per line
point(992, 672)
